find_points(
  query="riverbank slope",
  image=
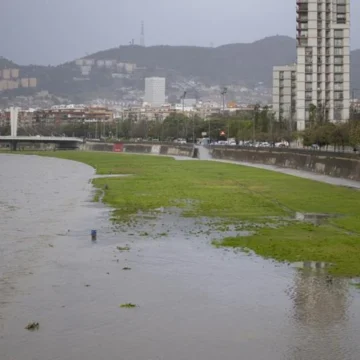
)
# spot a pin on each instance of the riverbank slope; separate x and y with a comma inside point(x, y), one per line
point(270, 205)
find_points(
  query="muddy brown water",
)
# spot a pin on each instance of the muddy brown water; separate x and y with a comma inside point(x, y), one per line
point(194, 301)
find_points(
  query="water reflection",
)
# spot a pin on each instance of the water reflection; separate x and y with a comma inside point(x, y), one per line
point(320, 315)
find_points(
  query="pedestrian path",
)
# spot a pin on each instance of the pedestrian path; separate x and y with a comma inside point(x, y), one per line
point(204, 154)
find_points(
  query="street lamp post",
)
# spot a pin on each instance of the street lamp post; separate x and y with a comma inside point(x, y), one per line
point(223, 93)
point(183, 113)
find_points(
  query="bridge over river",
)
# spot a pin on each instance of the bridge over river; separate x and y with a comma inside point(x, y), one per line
point(14, 141)
point(60, 142)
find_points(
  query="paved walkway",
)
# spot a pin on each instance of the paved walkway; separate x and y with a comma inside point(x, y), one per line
point(204, 155)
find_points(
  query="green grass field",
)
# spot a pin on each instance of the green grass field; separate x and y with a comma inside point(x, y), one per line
point(237, 194)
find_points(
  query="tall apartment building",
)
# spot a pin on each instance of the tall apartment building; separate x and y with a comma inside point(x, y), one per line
point(323, 60)
point(284, 92)
point(155, 91)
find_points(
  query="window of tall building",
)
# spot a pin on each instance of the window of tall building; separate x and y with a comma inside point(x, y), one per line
point(339, 77)
point(338, 104)
point(338, 33)
point(338, 86)
point(341, 18)
point(338, 69)
point(338, 95)
point(338, 42)
point(341, 9)
point(337, 115)
point(338, 60)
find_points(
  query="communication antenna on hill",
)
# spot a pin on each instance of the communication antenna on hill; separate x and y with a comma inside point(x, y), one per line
point(142, 34)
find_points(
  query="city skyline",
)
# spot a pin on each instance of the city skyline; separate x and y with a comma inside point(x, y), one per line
point(116, 22)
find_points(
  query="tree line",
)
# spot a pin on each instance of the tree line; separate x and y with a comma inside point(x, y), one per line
point(258, 124)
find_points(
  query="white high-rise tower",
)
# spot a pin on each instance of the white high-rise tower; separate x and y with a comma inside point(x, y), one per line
point(155, 91)
point(14, 114)
point(323, 60)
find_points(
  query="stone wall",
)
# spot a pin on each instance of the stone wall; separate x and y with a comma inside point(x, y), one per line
point(143, 148)
point(335, 164)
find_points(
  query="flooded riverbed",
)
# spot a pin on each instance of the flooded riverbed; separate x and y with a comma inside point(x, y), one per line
point(194, 301)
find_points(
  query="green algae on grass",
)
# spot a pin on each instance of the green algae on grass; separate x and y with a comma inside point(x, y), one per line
point(304, 242)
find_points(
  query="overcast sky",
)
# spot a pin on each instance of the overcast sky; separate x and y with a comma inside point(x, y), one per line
point(55, 31)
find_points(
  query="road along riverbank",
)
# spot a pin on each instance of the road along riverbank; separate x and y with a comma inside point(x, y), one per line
point(336, 164)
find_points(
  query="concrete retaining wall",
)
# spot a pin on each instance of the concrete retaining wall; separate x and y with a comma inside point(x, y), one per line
point(36, 147)
point(346, 166)
point(141, 148)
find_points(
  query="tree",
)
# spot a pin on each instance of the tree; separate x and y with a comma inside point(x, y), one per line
point(340, 135)
point(176, 126)
point(312, 115)
point(245, 130)
point(354, 133)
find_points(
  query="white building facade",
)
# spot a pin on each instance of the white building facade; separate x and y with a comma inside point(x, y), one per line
point(155, 91)
point(284, 92)
point(323, 60)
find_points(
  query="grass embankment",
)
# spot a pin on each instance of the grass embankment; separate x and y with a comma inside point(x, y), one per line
point(235, 194)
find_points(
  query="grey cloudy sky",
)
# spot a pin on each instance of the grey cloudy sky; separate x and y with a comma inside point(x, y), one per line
point(55, 31)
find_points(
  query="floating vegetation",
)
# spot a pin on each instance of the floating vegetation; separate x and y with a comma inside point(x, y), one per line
point(32, 326)
point(128, 306)
point(355, 284)
point(123, 248)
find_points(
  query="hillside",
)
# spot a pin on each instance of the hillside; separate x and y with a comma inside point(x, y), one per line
point(233, 63)
point(243, 64)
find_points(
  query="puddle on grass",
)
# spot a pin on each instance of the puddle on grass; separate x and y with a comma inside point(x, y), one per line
point(163, 223)
point(314, 218)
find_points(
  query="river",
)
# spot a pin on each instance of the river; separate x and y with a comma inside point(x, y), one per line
point(194, 301)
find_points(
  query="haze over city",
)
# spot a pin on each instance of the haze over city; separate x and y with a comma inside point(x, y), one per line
point(52, 32)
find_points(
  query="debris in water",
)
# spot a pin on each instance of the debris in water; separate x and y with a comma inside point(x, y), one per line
point(126, 268)
point(128, 306)
point(123, 248)
point(32, 326)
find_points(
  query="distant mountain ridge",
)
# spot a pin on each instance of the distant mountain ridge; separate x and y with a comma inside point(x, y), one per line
point(244, 64)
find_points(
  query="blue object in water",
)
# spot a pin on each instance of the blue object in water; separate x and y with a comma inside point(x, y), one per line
point(93, 234)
